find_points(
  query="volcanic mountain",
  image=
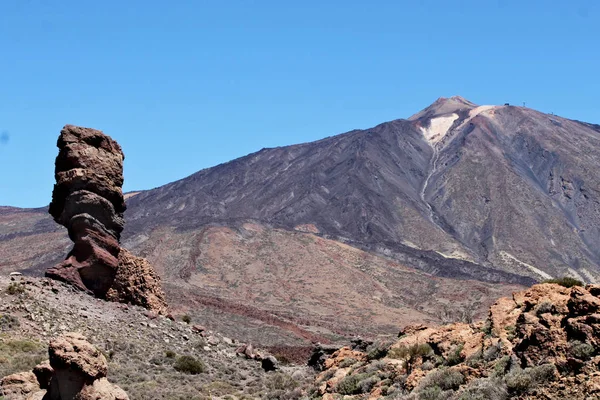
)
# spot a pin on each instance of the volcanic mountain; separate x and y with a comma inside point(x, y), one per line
point(366, 230)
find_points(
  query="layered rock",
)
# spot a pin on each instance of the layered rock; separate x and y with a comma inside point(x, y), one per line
point(77, 370)
point(88, 200)
point(542, 343)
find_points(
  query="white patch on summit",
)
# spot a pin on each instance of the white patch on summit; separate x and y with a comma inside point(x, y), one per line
point(438, 127)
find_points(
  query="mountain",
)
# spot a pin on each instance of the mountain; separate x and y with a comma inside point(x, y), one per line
point(365, 231)
point(502, 192)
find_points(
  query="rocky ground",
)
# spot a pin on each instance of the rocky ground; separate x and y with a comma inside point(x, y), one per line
point(542, 343)
point(143, 349)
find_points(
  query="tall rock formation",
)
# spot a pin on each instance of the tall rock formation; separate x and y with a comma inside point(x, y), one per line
point(88, 200)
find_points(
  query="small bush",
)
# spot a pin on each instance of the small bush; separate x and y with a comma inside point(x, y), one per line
point(8, 322)
point(543, 373)
point(475, 360)
point(189, 365)
point(522, 380)
point(581, 350)
point(492, 352)
point(427, 366)
point(377, 350)
point(510, 332)
point(15, 288)
point(349, 385)
point(487, 328)
point(502, 366)
point(170, 354)
point(367, 384)
point(565, 281)
point(186, 318)
point(485, 389)
point(445, 378)
point(347, 362)
point(518, 381)
point(281, 381)
point(434, 393)
point(455, 357)
point(410, 354)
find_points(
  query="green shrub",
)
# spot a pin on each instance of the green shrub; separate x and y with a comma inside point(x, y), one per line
point(581, 350)
point(434, 393)
point(502, 366)
point(377, 350)
point(519, 380)
point(15, 288)
point(282, 382)
point(445, 378)
point(367, 384)
point(170, 354)
point(8, 322)
point(522, 380)
point(510, 332)
point(410, 354)
point(347, 362)
point(543, 373)
point(485, 389)
point(493, 352)
point(186, 318)
point(487, 328)
point(455, 357)
point(565, 281)
point(349, 385)
point(189, 365)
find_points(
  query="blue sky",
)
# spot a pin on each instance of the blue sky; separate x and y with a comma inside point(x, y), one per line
point(186, 85)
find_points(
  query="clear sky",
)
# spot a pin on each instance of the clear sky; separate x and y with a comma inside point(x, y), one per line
point(185, 85)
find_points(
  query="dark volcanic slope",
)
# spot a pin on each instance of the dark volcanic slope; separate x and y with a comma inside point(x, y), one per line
point(504, 188)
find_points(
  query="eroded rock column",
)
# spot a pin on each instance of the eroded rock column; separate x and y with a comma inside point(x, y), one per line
point(88, 200)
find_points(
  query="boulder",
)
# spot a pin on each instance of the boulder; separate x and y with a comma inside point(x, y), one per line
point(20, 386)
point(137, 283)
point(76, 371)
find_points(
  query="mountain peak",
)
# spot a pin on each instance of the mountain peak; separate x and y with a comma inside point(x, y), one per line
point(444, 106)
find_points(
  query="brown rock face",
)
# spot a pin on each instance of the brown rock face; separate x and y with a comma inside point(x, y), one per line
point(77, 370)
point(88, 200)
point(137, 283)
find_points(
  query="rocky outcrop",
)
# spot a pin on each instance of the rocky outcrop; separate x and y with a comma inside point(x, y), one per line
point(542, 343)
point(88, 200)
point(137, 283)
point(77, 370)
